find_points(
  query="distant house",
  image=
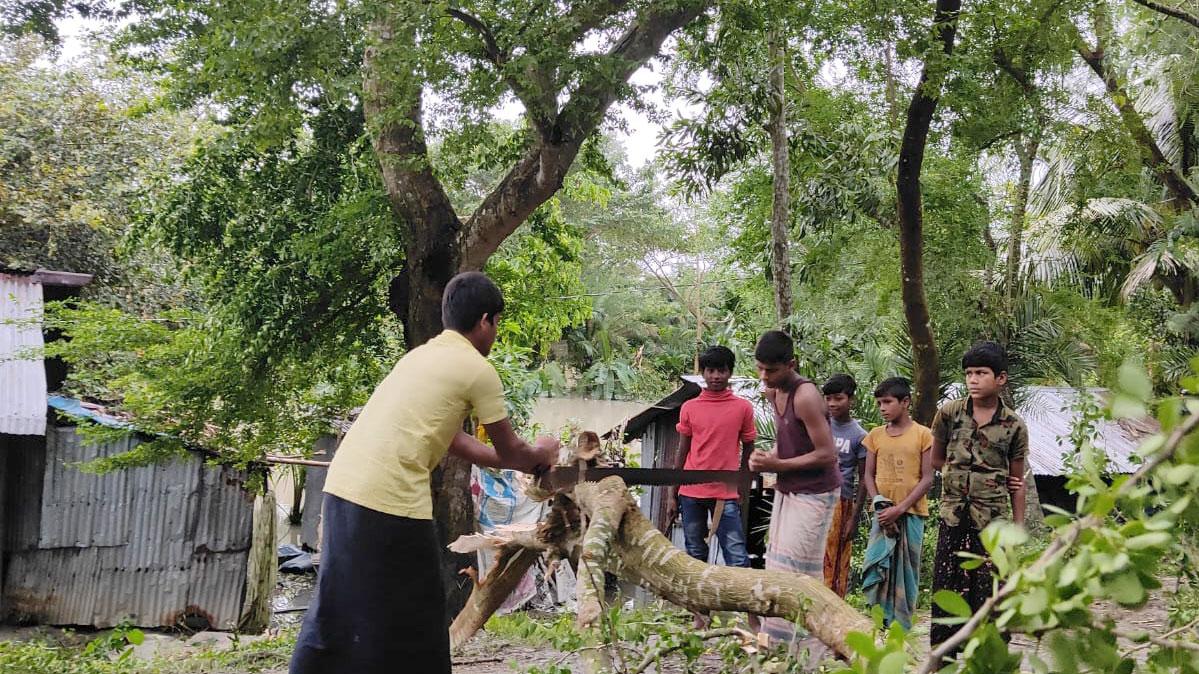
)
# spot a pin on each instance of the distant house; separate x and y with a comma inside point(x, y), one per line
point(182, 542)
point(1050, 413)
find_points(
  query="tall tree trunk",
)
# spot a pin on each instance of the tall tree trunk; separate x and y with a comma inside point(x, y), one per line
point(439, 243)
point(911, 214)
point(1026, 150)
point(780, 258)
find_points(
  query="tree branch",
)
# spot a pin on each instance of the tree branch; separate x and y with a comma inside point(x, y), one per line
point(1164, 640)
point(657, 653)
point(1170, 11)
point(490, 48)
point(539, 99)
point(539, 174)
point(1180, 189)
point(1058, 547)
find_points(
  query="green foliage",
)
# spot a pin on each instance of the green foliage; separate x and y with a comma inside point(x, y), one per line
point(76, 150)
point(109, 653)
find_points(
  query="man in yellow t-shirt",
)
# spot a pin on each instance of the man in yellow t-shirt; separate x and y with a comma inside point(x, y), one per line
point(899, 473)
point(379, 605)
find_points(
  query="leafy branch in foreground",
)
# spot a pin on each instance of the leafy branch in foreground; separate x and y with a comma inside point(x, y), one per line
point(1112, 552)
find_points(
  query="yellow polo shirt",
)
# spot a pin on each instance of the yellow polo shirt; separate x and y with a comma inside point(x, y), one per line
point(405, 429)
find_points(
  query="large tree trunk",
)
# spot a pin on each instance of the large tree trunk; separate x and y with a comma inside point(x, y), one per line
point(439, 243)
point(1026, 151)
point(601, 522)
point(911, 215)
point(780, 252)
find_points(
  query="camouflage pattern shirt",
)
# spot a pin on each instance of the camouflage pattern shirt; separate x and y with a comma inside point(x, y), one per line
point(974, 477)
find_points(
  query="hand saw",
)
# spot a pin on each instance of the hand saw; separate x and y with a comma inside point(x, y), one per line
point(558, 478)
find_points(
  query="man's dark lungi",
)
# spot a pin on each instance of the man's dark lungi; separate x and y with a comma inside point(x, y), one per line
point(379, 605)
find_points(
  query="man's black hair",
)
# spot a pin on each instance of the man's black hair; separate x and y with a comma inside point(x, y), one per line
point(894, 387)
point(986, 354)
point(775, 348)
point(717, 358)
point(467, 297)
point(840, 383)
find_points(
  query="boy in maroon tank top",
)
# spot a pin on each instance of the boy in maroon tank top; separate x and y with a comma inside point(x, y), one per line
point(805, 460)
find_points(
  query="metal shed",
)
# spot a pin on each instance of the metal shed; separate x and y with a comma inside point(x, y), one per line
point(162, 545)
point(183, 541)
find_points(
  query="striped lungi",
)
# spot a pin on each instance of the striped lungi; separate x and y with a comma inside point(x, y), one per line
point(799, 526)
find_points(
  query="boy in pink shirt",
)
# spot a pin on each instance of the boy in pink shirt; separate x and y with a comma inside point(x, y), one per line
point(717, 433)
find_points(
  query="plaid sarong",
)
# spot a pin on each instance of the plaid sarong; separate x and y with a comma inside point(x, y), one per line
point(891, 571)
point(799, 525)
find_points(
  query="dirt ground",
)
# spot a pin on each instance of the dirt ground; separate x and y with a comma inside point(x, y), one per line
point(489, 654)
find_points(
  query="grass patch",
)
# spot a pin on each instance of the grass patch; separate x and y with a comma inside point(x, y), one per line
point(109, 653)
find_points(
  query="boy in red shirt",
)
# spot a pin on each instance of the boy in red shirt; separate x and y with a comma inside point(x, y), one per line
point(717, 433)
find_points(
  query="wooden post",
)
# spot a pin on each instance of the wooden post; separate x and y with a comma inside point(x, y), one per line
point(260, 568)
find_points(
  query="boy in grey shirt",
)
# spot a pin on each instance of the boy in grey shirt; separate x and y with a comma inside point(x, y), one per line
point(851, 460)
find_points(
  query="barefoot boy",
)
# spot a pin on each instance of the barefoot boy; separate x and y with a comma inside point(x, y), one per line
point(805, 461)
point(899, 473)
point(839, 393)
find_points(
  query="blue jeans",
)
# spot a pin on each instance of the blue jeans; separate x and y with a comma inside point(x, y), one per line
point(694, 513)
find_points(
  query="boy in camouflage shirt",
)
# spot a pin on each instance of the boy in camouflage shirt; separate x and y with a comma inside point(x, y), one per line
point(980, 445)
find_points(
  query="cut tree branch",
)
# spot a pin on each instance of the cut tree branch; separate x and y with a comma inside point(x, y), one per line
point(656, 654)
point(1170, 11)
point(1060, 546)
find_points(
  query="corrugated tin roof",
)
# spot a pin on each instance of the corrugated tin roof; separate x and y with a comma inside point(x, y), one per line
point(22, 377)
point(1050, 415)
point(148, 544)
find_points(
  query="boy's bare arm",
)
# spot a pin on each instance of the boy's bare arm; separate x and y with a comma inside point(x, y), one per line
point(467, 447)
point(868, 478)
point(1016, 468)
point(938, 453)
point(672, 492)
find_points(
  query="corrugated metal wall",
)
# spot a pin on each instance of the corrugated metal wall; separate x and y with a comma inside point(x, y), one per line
point(149, 544)
point(22, 378)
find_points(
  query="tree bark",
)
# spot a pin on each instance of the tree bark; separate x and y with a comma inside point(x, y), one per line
point(780, 258)
point(1170, 11)
point(1026, 151)
point(911, 216)
point(438, 243)
point(1181, 191)
point(618, 538)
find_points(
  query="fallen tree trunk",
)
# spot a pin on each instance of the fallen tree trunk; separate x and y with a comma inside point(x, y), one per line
point(616, 537)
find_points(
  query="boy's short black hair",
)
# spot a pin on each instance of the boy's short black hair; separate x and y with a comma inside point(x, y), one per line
point(775, 348)
point(894, 387)
point(717, 358)
point(986, 354)
point(467, 297)
point(840, 383)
